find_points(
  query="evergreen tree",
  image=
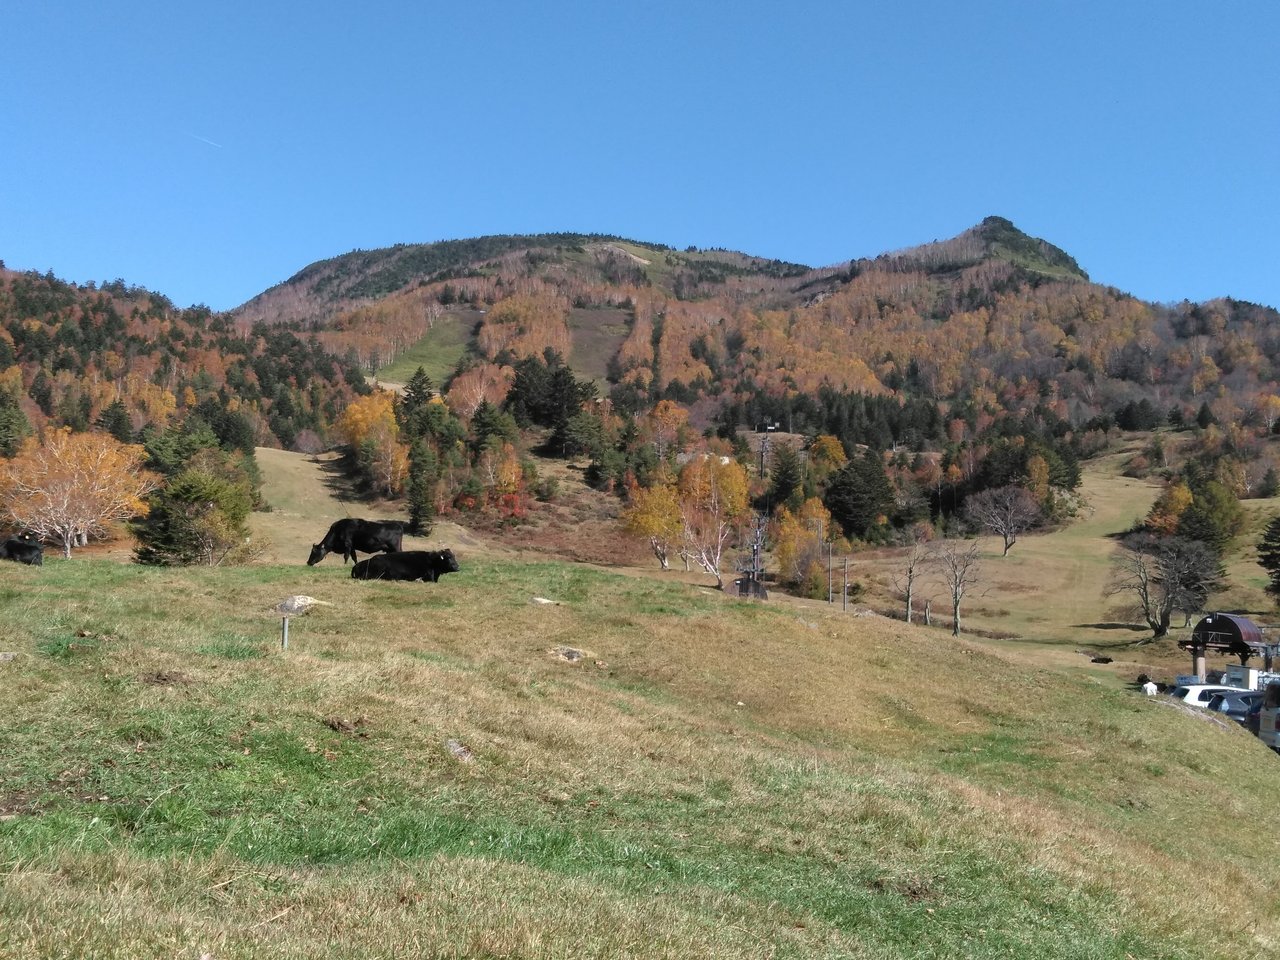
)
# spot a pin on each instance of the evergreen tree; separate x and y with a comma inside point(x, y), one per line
point(42, 392)
point(1269, 555)
point(1204, 417)
point(1270, 485)
point(115, 420)
point(859, 494)
point(424, 475)
point(787, 481)
point(418, 391)
point(1214, 517)
point(199, 518)
point(487, 422)
point(14, 426)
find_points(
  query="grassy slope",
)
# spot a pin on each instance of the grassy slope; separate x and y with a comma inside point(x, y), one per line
point(715, 779)
point(1048, 593)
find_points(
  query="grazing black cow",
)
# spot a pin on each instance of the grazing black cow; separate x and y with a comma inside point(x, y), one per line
point(428, 565)
point(352, 534)
point(22, 550)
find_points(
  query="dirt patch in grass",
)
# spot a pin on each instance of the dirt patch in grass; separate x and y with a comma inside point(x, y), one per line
point(17, 804)
point(167, 678)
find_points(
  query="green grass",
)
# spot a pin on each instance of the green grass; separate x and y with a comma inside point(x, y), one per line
point(438, 352)
point(718, 779)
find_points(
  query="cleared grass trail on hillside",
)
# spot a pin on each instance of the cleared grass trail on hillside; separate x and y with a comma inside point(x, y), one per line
point(307, 493)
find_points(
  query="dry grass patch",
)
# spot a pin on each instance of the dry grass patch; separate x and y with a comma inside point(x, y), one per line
point(757, 780)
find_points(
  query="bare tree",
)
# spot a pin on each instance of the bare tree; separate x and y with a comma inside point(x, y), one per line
point(957, 563)
point(914, 565)
point(1162, 574)
point(1005, 511)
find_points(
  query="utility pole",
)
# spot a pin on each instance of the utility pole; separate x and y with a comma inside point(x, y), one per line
point(831, 559)
point(844, 597)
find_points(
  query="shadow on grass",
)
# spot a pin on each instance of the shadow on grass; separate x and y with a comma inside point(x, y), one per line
point(1110, 626)
point(336, 477)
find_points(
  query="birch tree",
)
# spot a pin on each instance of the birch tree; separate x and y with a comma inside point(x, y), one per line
point(73, 486)
point(713, 501)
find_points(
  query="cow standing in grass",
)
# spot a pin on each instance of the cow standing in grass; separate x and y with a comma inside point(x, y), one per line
point(352, 534)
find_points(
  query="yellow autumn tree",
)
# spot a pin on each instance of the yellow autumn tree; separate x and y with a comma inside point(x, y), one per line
point(1038, 479)
point(368, 426)
point(654, 515)
point(713, 502)
point(826, 456)
point(68, 487)
point(664, 422)
point(1168, 509)
point(798, 539)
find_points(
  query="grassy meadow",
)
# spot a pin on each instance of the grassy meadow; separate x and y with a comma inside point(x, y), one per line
point(424, 773)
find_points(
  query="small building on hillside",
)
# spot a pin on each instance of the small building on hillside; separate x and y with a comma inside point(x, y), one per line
point(1228, 634)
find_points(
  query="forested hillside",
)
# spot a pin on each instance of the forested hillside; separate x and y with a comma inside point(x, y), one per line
point(129, 361)
point(965, 365)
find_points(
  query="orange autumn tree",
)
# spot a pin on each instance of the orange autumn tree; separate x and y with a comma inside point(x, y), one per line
point(73, 486)
point(713, 502)
point(1168, 509)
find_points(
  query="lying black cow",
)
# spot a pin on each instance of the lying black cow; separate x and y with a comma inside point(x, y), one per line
point(367, 536)
point(410, 565)
point(22, 550)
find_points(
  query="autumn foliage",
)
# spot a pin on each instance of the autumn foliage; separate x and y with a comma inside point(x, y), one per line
point(70, 487)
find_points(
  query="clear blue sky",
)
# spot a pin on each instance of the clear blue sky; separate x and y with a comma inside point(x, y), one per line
point(210, 151)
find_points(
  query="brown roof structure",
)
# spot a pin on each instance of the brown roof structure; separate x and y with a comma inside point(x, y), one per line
point(1227, 633)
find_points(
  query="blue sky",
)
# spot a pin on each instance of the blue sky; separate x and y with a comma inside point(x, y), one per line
point(210, 151)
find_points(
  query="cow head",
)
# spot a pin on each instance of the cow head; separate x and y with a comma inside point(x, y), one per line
point(318, 552)
point(450, 561)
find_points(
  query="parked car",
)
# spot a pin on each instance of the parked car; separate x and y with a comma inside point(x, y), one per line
point(1199, 694)
point(1237, 705)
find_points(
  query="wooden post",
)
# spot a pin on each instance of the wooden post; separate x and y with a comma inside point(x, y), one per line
point(284, 633)
point(844, 597)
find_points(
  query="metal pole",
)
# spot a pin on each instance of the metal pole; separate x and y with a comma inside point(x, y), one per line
point(844, 597)
point(831, 559)
point(284, 633)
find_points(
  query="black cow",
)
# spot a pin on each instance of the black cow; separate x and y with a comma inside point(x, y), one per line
point(22, 550)
point(367, 536)
point(428, 565)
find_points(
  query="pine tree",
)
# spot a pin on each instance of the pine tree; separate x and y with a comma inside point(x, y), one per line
point(1269, 555)
point(859, 495)
point(14, 427)
point(787, 487)
point(115, 420)
point(424, 474)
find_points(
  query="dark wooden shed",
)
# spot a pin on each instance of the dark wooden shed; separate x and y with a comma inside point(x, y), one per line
point(1225, 633)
